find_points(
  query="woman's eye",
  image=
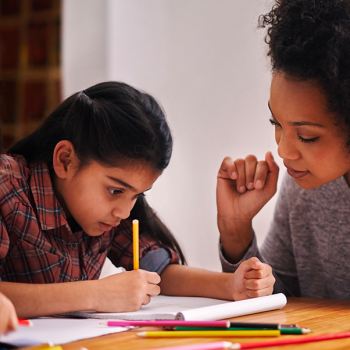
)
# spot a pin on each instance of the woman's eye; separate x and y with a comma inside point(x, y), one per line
point(308, 140)
point(114, 191)
point(274, 123)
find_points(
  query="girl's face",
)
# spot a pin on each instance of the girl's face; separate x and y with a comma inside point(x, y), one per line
point(98, 197)
point(311, 146)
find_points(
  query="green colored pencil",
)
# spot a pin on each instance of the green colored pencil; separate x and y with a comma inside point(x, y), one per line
point(283, 330)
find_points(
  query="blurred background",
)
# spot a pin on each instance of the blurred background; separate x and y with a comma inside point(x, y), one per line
point(203, 60)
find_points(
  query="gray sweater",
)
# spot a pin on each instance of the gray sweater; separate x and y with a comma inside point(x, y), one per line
point(308, 245)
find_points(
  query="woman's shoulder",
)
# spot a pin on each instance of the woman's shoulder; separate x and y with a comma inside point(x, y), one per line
point(326, 193)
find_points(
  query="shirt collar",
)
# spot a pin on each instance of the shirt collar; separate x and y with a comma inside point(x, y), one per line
point(50, 213)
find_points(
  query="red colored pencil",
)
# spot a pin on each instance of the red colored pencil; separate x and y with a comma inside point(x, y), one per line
point(299, 340)
point(26, 323)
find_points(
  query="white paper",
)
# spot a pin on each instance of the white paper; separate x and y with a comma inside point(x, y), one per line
point(161, 307)
point(234, 309)
point(194, 309)
point(58, 331)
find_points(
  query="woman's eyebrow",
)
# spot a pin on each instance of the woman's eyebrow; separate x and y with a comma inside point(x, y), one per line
point(301, 123)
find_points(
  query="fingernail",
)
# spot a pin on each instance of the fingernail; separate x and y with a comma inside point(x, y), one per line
point(258, 263)
point(250, 186)
point(242, 189)
point(259, 184)
point(234, 175)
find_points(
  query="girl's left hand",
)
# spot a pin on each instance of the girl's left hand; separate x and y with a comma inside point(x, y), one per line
point(252, 279)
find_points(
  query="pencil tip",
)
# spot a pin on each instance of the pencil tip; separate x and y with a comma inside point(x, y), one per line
point(305, 330)
point(104, 323)
point(141, 334)
point(235, 346)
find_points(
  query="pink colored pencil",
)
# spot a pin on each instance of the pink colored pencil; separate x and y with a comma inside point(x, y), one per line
point(207, 346)
point(299, 340)
point(208, 324)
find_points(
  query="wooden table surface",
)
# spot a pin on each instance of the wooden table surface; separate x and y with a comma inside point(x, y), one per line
point(320, 315)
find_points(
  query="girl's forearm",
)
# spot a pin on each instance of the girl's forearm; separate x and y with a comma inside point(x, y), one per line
point(183, 280)
point(32, 300)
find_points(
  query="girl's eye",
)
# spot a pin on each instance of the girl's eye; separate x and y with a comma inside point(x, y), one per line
point(274, 123)
point(114, 191)
point(308, 140)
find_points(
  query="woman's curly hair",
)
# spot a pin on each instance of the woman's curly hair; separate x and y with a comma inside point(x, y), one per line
point(310, 40)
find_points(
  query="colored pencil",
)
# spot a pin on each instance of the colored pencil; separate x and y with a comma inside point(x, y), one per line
point(172, 323)
point(214, 324)
point(262, 325)
point(135, 239)
point(23, 322)
point(289, 341)
point(40, 347)
point(206, 346)
point(180, 334)
point(282, 330)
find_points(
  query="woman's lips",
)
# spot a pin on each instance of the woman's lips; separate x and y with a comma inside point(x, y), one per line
point(295, 173)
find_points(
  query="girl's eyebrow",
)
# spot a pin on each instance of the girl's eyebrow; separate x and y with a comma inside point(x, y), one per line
point(123, 183)
point(298, 123)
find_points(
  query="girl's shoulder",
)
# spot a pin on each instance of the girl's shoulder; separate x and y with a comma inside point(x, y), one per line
point(13, 170)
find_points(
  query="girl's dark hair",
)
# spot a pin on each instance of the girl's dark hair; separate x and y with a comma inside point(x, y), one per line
point(114, 124)
point(310, 40)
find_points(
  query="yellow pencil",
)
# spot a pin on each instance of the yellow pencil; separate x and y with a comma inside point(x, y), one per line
point(176, 334)
point(135, 239)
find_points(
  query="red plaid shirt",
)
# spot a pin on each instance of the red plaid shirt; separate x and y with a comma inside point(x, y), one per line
point(37, 244)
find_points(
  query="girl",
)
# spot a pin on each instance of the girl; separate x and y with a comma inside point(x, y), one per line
point(8, 317)
point(308, 245)
point(72, 189)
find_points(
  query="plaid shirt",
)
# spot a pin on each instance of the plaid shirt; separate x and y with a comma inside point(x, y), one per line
point(37, 244)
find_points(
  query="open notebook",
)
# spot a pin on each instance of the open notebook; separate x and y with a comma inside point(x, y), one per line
point(192, 309)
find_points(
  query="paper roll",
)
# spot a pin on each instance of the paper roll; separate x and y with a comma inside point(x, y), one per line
point(234, 309)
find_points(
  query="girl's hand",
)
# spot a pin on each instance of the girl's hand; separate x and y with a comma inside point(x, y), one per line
point(252, 279)
point(8, 317)
point(126, 291)
point(244, 186)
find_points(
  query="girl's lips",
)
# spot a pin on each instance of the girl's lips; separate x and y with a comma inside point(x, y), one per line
point(296, 174)
point(106, 227)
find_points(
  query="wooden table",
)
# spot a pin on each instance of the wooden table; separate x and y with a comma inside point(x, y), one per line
point(320, 315)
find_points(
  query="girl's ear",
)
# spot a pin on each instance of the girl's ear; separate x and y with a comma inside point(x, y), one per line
point(64, 159)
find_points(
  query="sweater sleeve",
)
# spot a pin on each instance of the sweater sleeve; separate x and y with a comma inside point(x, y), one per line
point(277, 249)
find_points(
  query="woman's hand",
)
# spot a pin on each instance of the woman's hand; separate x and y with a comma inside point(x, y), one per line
point(8, 317)
point(252, 279)
point(244, 186)
point(126, 291)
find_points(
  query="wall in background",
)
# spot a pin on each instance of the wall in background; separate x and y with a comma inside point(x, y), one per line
point(30, 75)
point(204, 60)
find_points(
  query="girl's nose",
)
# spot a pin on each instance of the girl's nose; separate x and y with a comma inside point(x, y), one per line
point(123, 210)
point(286, 148)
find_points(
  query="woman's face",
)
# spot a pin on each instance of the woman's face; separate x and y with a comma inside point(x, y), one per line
point(311, 145)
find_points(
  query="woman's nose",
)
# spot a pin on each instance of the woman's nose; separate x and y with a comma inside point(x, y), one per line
point(286, 148)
